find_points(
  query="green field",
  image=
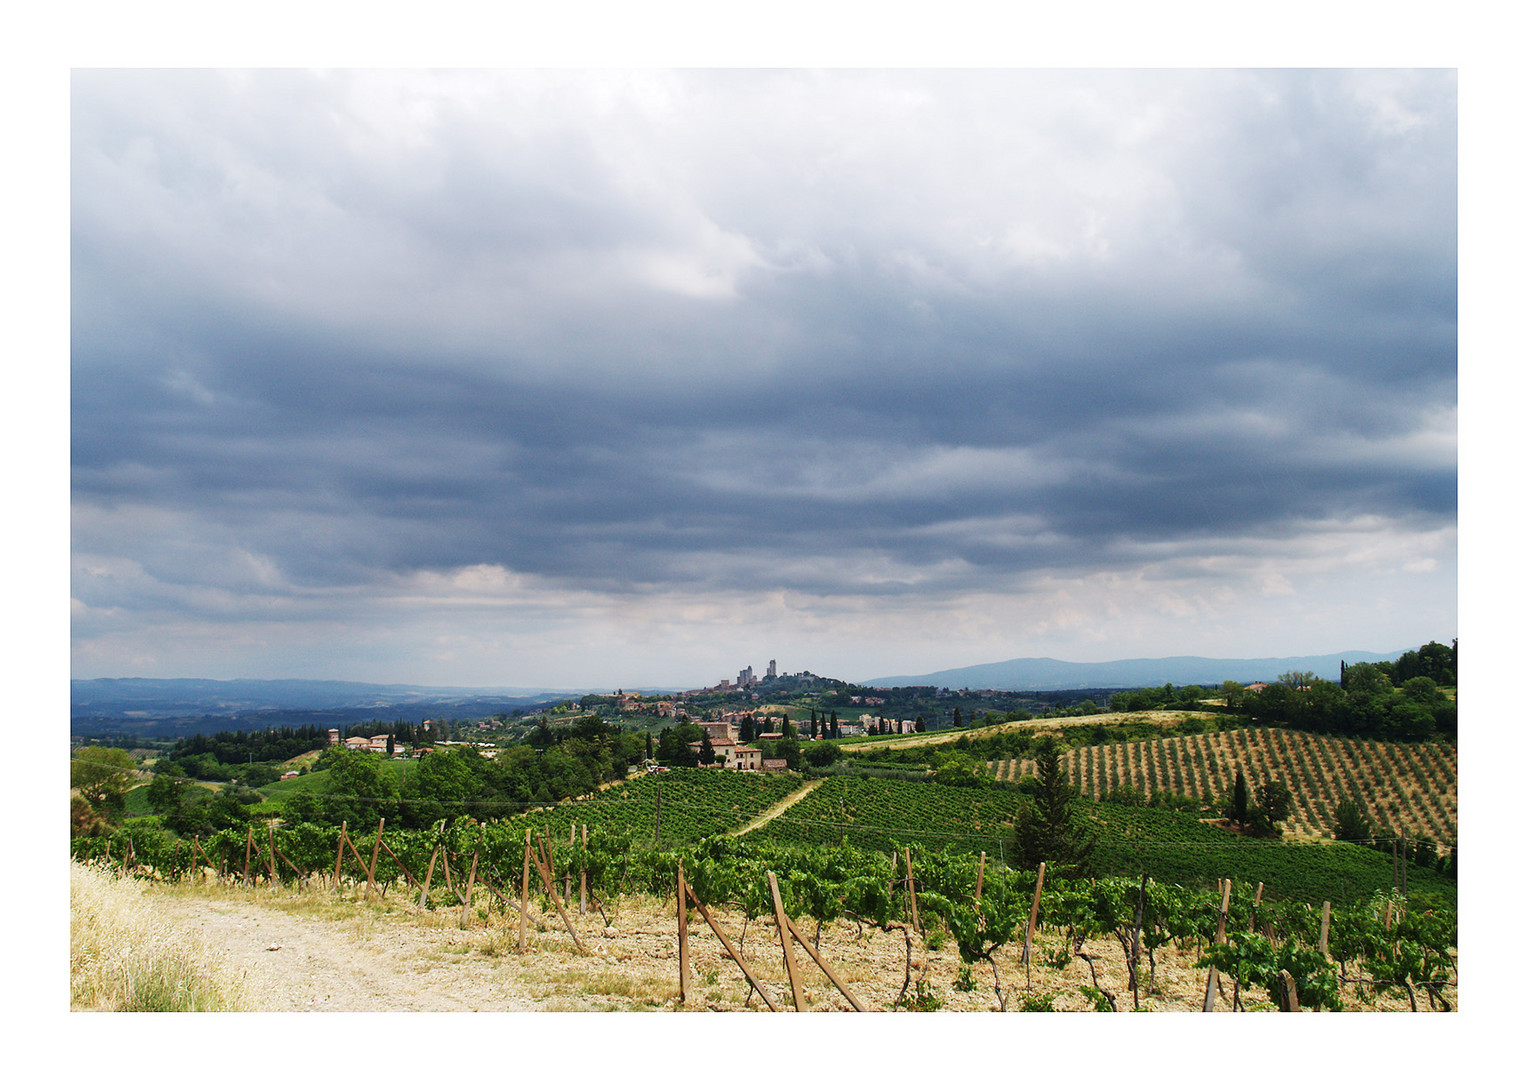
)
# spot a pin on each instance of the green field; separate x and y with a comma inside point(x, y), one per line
point(885, 814)
point(314, 782)
point(685, 805)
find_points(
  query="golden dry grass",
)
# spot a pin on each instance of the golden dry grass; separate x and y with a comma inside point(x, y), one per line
point(123, 958)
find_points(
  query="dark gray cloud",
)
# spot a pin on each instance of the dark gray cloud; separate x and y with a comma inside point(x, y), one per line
point(935, 336)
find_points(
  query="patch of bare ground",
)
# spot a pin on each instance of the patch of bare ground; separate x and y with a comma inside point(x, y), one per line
point(314, 952)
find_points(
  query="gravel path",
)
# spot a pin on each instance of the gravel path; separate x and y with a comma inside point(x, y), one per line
point(302, 963)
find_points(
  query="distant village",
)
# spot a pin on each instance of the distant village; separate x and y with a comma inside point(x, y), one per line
point(729, 735)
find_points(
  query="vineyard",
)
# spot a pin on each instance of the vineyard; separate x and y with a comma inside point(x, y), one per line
point(864, 860)
point(886, 814)
point(1414, 787)
point(1001, 938)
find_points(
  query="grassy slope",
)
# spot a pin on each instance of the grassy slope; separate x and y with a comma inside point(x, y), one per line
point(1038, 726)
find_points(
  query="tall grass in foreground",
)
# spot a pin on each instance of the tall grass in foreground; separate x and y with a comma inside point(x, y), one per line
point(122, 957)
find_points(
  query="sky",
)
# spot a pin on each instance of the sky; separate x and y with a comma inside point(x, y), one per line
point(637, 377)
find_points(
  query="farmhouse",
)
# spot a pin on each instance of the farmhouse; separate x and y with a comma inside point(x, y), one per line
point(720, 731)
point(745, 758)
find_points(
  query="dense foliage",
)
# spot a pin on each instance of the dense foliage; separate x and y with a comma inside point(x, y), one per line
point(217, 756)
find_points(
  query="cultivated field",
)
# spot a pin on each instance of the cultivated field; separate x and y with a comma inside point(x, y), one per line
point(314, 951)
point(1166, 718)
point(1410, 786)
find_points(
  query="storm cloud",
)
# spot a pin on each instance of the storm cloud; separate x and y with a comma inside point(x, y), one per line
point(600, 377)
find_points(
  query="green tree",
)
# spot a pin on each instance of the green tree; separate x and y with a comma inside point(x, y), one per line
point(102, 775)
point(1274, 804)
point(1045, 830)
point(789, 747)
point(1352, 824)
point(164, 794)
point(674, 744)
point(1239, 811)
point(822, 754)
point(358, 790)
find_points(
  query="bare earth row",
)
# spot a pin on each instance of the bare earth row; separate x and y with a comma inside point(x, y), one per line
point(1401, 786)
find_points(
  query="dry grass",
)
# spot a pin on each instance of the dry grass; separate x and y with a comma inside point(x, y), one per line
point(122, 959)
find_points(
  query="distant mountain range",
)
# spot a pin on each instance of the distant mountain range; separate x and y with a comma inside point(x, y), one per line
point(1043, 673)
point(261, 701)
point(161, 698)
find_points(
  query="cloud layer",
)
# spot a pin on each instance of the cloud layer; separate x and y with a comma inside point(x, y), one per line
point(509, 378)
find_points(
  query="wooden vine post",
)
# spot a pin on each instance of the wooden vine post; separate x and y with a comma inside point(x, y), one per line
point(583, 876)
point(424, 890)
point(912, 895)
point(467, 896)
point(249, 844)
point(684, 937)
point(371, 868)
point(811, 951)
point(370, 878)
point(1257, 902)
point(1212, 981)
point(272, 826)
point(1289, 1001)
point(339, 853)
point(981, 871)
point(1034, 913)
point(525, 890)
point(551, 888)
point(1135, 944)
point(1326, 920)
point(732, 950)
point(781, 923)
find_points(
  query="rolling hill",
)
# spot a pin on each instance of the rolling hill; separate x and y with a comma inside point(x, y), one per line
point(1044, 673)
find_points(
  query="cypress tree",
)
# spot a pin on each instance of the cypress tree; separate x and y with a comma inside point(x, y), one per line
point(1239, 800)
point(1045, 831)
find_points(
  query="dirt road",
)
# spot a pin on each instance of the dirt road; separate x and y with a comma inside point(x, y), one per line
point(381, 963)
point(781, 807)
